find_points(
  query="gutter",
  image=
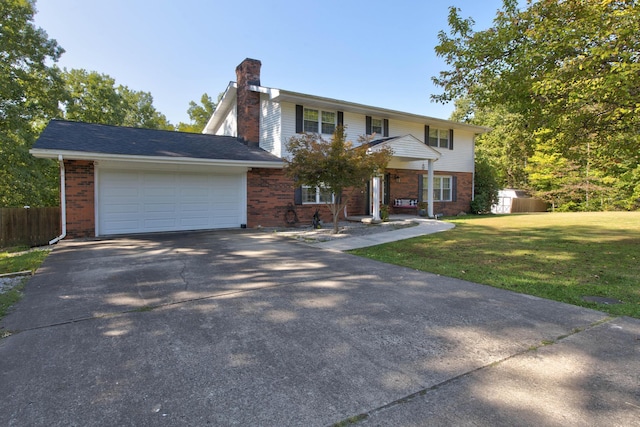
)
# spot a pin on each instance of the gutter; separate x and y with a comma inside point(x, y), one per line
point(47, 153)
point(63, 203)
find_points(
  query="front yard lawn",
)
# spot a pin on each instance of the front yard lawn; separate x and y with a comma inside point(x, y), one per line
point(560, 256)
point(12, 262)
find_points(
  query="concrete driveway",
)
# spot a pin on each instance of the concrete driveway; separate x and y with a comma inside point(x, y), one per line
point(243, 328)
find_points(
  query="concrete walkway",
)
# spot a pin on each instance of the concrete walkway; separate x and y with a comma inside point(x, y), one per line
point(425, 226)
point(243, 328)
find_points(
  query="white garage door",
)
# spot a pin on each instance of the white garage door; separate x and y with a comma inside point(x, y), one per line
point(148, 201)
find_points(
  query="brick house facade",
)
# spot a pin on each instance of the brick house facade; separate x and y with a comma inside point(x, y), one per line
point(121, 180)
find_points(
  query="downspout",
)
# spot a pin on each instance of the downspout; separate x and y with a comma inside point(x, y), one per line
point(63, 203)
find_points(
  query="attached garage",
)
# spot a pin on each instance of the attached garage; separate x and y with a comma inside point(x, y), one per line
point(132, 201)
point(119, 180)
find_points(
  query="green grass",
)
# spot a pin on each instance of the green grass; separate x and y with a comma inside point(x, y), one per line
point(7, 299)
point(560, 256)
point(12, 262)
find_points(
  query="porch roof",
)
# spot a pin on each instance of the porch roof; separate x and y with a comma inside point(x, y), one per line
point(406, 148)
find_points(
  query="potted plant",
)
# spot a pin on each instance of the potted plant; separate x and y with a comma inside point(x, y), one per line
point(422, 208)
point(384, 213)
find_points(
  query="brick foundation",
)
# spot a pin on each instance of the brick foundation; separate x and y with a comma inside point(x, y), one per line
point(270, 194)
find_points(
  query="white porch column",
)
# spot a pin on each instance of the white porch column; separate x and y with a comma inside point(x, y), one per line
point(375, 186)
point(430, 186)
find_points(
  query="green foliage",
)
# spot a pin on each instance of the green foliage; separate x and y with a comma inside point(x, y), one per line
point(485, 187)
point(94, 98)
point(560, 80)
point(29, 93)
point(336, 165)
point(29, 88)
point(384, 213)
point(199, 114)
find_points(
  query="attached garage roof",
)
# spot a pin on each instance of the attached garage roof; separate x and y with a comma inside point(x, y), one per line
point(78, 140)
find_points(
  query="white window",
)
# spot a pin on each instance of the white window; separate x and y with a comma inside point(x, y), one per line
point(316, 195)
point(441, 188)
point(376, 126)
point(316, 121)
point(439, 138)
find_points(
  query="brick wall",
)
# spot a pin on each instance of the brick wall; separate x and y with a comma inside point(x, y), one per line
point(406, 187)
point(79, 185)
point(270, 193)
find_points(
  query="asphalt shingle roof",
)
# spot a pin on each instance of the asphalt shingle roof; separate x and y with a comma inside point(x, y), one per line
point(104, 139)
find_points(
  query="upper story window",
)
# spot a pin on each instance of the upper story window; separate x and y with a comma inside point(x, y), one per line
point(379, 127)
point(376, 126)
point(317, 121)
point(439, 138)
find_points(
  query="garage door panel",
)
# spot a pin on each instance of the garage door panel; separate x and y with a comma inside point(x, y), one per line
point(159, 224)
point(147, 201)
point(162, 208)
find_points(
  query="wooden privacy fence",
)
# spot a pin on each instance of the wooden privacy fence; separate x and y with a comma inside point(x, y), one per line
point(32, 227)
point(521, 205)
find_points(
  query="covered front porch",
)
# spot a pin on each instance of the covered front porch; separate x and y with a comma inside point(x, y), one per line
point(402, 186)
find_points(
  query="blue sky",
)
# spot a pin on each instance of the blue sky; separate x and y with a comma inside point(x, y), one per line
point(376, 52)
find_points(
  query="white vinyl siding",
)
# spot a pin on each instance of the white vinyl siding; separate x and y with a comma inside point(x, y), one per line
point(270, 129)
point(288, 125)
point(460, 159)
point(229, 126)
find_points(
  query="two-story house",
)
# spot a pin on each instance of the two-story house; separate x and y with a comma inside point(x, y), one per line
point(118, 180)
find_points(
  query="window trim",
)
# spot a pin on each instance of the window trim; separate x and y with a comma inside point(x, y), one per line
point(321, 123)
point(373, 126)
point(441, 135)
point(319, 191)
point(426, 189)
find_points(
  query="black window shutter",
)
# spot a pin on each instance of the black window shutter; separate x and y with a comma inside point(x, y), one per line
point(367, 211)
point(299, 116)
point(386, 128)
point(450, 139)
point(387, 188)
point(426, 134)
point(297, 196)
point(454, 188)
point(420, 187)
point(367, 125)
point(340, 118)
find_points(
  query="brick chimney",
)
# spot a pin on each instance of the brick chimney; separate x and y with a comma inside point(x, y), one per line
point(248, 74)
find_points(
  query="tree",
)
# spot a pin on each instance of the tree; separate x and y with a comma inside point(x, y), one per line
point(485, 186)
point(94, 98)
point(29, 94)
point(199, 114)
point(568, 69)
point(335, 165)
point(507, 147)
